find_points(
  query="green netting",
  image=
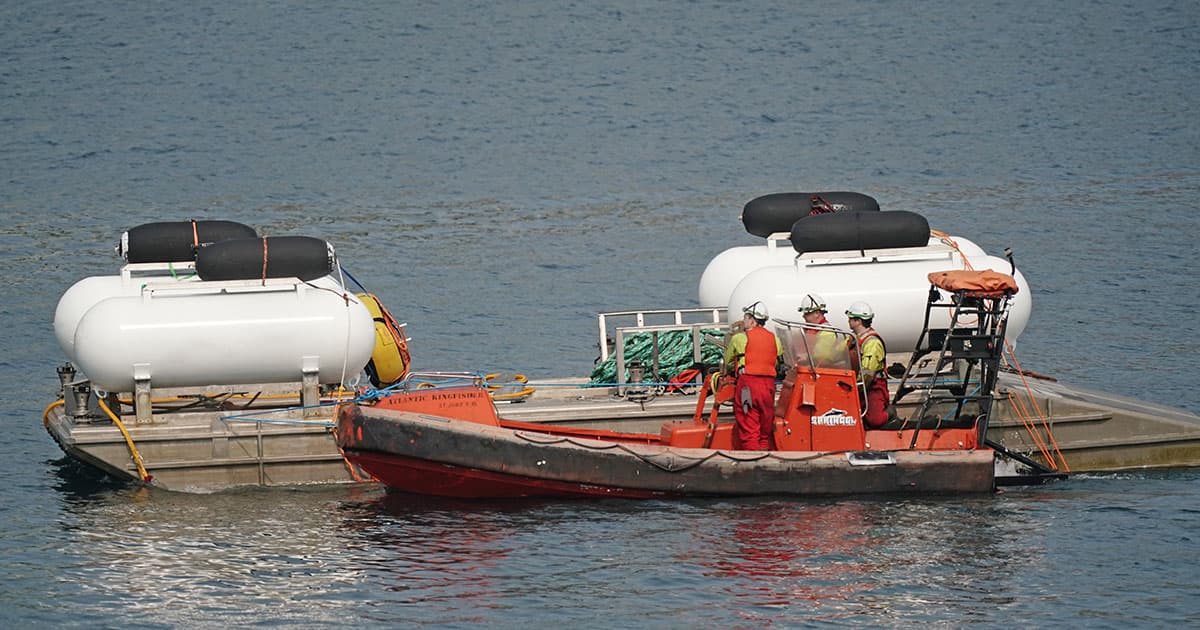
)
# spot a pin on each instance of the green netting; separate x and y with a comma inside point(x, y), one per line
point(674, 354)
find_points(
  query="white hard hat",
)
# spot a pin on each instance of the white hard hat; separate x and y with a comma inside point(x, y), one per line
point(758, 311)
point(812, 302)
point(861, 310)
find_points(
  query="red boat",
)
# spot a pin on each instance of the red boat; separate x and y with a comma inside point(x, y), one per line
point(450, 441)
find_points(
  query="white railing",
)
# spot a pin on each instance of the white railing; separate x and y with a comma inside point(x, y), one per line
point(626, 323)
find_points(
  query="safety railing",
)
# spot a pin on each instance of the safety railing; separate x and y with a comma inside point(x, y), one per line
point(614, 327)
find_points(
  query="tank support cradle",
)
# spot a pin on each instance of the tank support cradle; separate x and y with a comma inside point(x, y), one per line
point(143, 411)
point(310, 390)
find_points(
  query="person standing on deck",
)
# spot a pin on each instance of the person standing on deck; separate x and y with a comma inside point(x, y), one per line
point(872, 357)
point(752, 355)
point(823, 343)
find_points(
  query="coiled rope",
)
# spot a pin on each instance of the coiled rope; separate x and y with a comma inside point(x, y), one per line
point(515, 387)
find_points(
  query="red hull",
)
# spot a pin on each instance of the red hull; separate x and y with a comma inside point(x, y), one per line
point(431, 455)
point(416, 476)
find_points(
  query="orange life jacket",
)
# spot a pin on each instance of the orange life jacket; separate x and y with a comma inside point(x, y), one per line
point(761, 352)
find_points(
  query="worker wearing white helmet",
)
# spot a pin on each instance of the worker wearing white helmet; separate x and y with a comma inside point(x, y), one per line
point(822, 344)
point(872, 355)
point(752, 355)
point(861, 310)
point(812, 308)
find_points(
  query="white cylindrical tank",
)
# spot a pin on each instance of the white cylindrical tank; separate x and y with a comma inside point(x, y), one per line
point(728, 268)
point(897, 289)
point(238, 334)
point(89, 291)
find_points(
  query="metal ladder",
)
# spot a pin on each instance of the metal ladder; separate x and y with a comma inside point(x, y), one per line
point(965, 358)
point(956, 367)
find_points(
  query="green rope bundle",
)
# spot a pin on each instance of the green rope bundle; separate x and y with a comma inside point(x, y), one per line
point(674, 354)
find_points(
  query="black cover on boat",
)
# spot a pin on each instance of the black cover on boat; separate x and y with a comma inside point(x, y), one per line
point(778, 212)
point(301, 257)
point(175, 241)
point(859, 230)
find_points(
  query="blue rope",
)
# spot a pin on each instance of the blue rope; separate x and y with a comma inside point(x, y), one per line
point(951, 412)
point(352, 278)
point(428, 381)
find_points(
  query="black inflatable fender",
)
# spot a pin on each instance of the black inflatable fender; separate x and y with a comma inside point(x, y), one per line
point(778, 212)
point(843, 231)
point(302, 257)
point(176, 241)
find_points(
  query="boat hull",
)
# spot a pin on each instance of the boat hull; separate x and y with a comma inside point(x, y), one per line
point(202, 451)
point(431, 455)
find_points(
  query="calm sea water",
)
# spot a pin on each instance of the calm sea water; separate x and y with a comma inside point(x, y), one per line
point(498, 175)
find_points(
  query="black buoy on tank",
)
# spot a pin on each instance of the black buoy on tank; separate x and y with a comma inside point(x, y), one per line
point(302, 257)
point(777, 212)
point(844, 231)
point(176, 241)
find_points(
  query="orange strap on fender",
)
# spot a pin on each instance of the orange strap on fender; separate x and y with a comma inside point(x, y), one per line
point(264, 268)
point(986, 281)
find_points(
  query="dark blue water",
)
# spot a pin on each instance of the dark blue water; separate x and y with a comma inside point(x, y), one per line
point(498, 175)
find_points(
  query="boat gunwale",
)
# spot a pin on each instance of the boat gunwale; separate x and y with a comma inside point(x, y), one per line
point(520, 455)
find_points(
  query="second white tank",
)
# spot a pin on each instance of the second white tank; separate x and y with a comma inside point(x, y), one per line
point(896, 285)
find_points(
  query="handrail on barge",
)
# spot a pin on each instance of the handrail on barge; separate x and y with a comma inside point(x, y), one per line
point(644, 321)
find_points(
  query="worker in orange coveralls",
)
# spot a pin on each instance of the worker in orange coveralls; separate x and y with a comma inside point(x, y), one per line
point(752, 355)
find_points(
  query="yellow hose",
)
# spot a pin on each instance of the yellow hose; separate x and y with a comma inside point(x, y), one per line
point(137, 458)
point(46, 414)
